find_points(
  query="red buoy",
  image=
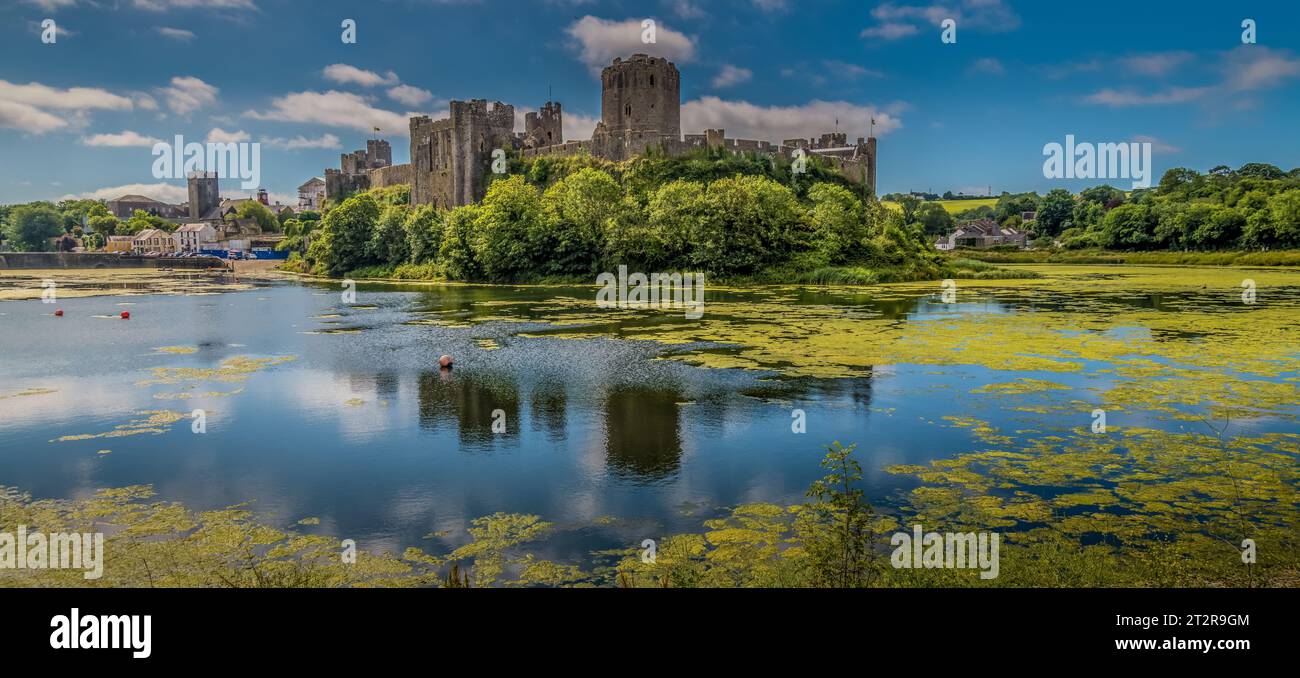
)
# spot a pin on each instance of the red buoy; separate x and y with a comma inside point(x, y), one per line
point(58, 313)
point(126, 315)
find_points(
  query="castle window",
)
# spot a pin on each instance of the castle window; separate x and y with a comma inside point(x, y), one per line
point(652, 80)
point(628, 110)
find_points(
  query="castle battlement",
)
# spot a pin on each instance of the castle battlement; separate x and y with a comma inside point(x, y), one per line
point(640, 110)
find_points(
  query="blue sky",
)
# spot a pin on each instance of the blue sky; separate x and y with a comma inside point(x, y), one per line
point(78, 117)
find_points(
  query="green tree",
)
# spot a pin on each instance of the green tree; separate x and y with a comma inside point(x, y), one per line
point(1013, 204)
point(105, 225)
point(388, 244)
point(505, 232)
point(30, 227)
point(1222, 229)
point(839, 223)
point(340, 245)
point(1128, 227)
point(424, 233)
point(1260, 170)
point(751, 221)
point(674, 216)
point(456, 253)
point(141, 220)
point(1103, 195)
point(935, 219)
point(1055, 211)
point(911, 207)
point(255, 210)
point(577, 214)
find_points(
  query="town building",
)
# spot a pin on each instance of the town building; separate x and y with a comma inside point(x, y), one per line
point(983, 234)
point(311, 195)
point(124, 207)
point(119, 243)
point(152, 240)
point(192, 237)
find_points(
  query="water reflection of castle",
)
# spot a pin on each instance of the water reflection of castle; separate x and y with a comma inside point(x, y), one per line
point(642, 425)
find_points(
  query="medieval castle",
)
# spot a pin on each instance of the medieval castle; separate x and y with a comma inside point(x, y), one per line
point(640, 109)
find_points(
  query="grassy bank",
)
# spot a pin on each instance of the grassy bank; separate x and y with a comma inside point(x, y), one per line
point(959, 269)
point(1097, 256)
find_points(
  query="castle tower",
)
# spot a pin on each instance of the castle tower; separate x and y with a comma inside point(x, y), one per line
point(641, 94)
point(545, 127)
point(204, 194)
point(378, 154)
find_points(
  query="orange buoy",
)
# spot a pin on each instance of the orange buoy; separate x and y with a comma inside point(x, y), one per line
point(445, 361)
point(126, 315)
point(58, 313)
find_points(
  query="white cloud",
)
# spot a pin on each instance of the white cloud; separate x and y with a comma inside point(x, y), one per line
point(144, 101)
point(123, 139)
point(60, 30)
point(1155, 63)
point(301, 142)
point(168, 193)
point(889, 31)
point(986, 66)
point(1125, 98)
point(840, 70)
point(164, 5)
point(345, 75)
point(333, 109)
point(771, 5)
point(51, 5)
point(1252, 67)
point(175, 33)
point(410, 96)
point(73, 98)
point(157, 5)
point(221, 136)
point(687, 9)
point(743, 120)
point(600, 40)
point(38, 108)
point(731, 75)
point(579, 127)
point(19, 116)
point(188, 94)
point(990, 15)
point(1157, 145)
point(1241, 70)
point(900, 21)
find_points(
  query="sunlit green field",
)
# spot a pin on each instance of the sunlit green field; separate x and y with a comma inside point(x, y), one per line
point(953, 206)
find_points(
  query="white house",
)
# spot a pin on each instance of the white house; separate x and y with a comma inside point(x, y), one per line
point(191, 237)
point(311, 194)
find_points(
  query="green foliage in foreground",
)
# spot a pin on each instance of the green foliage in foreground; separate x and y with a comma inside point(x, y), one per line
point(835, 539)
point(572, 218)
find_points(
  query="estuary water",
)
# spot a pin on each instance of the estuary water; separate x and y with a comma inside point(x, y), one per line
point(617, 425)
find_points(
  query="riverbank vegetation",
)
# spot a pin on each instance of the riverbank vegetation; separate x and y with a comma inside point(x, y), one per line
point(1254, 208)
point(43, 226)
point(736, 218)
